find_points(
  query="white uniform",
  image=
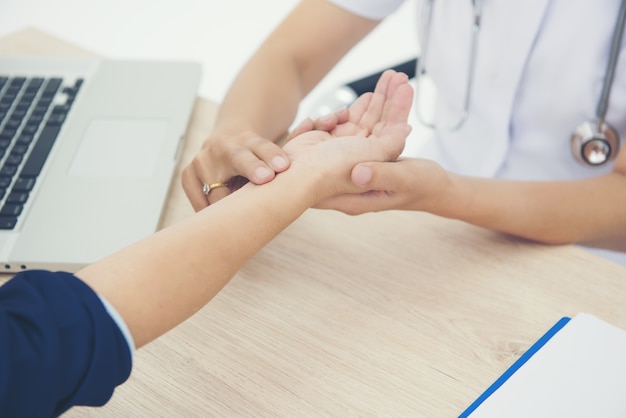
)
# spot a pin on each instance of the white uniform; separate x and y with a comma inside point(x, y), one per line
point(539, 73)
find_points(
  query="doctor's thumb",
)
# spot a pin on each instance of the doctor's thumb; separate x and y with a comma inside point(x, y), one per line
point(375, 175)
point(362, 174)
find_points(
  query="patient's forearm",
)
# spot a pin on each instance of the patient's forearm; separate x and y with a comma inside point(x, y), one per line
point(161, 281)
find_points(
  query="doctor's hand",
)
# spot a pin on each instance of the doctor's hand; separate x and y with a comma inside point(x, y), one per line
point(226, 162)
point(406, 184)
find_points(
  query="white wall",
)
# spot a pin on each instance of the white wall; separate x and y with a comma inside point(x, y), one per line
point(220, 34)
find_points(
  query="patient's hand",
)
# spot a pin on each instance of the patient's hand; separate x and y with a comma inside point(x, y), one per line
point(369, 113)
point(375, 130)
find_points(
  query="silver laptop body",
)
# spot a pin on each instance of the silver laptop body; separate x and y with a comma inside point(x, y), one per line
point(105, 181)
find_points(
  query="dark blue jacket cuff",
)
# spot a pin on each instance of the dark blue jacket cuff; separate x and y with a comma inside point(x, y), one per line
point(58, 346)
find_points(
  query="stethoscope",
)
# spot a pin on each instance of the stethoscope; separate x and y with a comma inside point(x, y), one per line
point(593, 142)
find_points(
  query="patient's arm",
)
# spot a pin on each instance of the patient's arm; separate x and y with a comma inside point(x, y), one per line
point(162, 280)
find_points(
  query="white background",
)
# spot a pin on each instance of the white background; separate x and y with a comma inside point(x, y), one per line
point(220, 34)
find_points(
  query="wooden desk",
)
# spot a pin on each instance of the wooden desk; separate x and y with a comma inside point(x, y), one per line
point(390, 314)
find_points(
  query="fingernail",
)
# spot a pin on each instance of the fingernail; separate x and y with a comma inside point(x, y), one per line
point(362, 175)
point(326, 118)
point(301, 125)
point(279, 163)
point(262, 173)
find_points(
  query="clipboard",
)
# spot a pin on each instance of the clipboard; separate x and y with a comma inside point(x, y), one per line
point(576, 369)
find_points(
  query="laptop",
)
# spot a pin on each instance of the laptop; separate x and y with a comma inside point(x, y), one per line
point(88, 150)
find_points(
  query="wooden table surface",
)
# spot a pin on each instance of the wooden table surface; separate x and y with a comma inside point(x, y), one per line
point(387, 314)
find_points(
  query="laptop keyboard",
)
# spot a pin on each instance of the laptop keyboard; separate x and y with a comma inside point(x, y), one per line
point(32, 112)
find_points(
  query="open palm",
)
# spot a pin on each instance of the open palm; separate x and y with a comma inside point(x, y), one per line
point(373, 129)
point(389, 103)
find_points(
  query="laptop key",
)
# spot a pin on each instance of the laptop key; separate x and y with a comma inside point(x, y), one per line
point(13, 123)
point(17, 197)
point(19, 150)
point(11, 210)
point(17, 82)
point(13, 159)
point(8, 171)
point(25, 139)
point(52, 86)
point(4, 110)
point(23, 184)
point(8, 222)
point(40, 151)
point(8, 133)
point(31, 127)
point(56, 119)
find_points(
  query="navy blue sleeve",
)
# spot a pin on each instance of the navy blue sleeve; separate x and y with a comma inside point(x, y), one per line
point(58, 346)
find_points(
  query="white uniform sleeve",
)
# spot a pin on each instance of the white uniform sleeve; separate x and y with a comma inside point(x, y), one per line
point(369, 9)
point(117, 318)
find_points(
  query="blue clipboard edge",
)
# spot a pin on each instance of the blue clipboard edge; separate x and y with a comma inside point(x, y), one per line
point(519, 363)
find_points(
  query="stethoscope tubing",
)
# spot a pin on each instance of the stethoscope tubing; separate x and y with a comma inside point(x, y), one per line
point(616, 42)
point(603, 102)
point(421, 68)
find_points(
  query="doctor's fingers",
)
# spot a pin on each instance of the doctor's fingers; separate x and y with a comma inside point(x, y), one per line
point(359, 203)
point(376, 188)
point(393, 176)
point(209, 177)
point(201, 186)
point(246, 154)
point(258, 160)
point(415, 182)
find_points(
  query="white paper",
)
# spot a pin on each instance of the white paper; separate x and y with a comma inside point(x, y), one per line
point(579, 373)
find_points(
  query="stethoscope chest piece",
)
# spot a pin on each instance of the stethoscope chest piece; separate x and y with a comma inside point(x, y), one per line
point(595, 143)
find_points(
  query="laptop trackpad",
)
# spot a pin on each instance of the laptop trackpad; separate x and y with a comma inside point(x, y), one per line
point(119, 148)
